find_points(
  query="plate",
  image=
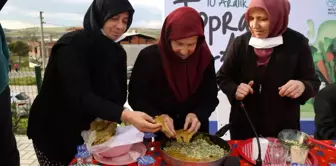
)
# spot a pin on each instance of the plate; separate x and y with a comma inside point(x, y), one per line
point(245, 151)
point(136, 151)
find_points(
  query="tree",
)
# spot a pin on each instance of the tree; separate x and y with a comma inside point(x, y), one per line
point(19, 48)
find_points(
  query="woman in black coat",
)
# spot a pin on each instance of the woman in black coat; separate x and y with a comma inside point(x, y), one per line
point(85, 79)
point(176, 77)
point(270, 70)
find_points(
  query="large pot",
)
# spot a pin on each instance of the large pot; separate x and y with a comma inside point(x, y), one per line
point(171, 161)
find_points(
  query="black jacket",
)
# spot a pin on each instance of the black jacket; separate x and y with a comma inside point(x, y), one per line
point(85, 79)
point(269, 112)
point(149, 91)
point(325, 113)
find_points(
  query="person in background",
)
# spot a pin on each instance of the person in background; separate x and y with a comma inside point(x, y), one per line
point(325, 113)
point(9, 154)
point(269, 71)
point(176, 78)
point(85, 79)
point(16, 67)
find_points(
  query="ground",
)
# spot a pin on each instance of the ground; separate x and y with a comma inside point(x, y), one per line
point(26, 149)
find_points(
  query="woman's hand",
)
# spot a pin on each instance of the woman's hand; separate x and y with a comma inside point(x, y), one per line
point(140, 120)
point(243, 90)
point(292, 89)
point(192, 124)
point(168, 123)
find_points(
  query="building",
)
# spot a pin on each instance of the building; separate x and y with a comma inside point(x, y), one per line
point(132, 42)
point(136, 38)
point(128, 37)
point(35, 48)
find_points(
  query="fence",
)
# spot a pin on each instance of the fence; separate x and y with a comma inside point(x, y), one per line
point(24, 85)
point(26, 81)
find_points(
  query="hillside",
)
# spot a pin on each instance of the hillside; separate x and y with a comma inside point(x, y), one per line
point(59, 31)
point(36, 30)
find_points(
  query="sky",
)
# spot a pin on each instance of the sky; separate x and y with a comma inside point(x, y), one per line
point(17, 14)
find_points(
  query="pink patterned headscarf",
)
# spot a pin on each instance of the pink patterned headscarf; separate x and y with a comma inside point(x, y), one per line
point(278, 13)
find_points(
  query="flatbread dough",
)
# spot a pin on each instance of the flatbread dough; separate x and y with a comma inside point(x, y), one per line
point(104, 130)
point(164, 129)
point(183, 136)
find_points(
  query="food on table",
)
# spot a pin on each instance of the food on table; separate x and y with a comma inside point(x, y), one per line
point(200, 149)
point(299, 154)
point(164, 129)
point(104, 130)
point(183, 136)
point(98, 124)
point(293, 142)
point(302, 142)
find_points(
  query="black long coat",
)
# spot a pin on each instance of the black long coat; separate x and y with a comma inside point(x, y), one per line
point(85, 79)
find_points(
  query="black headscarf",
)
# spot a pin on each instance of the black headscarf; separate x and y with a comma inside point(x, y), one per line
point(2, 3)
point(102, 10)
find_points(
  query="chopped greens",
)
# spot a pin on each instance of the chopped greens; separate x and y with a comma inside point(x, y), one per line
point(201, 149)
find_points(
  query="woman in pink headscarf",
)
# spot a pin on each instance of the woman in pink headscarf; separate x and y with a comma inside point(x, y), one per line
point(269, 70)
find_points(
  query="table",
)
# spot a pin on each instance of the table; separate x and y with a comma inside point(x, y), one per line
point(323, 155)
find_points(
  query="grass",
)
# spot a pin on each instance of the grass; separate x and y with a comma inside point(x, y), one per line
point(22, 128)
point(28, 80)
point(23, 69)
point(22, 61)
point(36, 31)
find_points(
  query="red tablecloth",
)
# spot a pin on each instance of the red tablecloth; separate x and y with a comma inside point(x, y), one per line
point(323, 155)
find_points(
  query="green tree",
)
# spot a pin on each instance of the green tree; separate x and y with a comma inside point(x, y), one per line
point(19, 48)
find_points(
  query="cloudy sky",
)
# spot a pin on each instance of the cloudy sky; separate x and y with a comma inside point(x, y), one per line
point(25, 13)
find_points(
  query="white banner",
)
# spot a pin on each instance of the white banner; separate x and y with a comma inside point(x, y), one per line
point(224, 20)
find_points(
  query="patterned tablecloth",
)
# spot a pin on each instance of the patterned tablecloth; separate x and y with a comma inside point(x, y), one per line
point(324, 156)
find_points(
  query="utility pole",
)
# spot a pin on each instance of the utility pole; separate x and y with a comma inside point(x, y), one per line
point(42, 49)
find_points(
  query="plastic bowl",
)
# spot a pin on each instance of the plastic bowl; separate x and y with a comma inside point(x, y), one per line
point(290, 137)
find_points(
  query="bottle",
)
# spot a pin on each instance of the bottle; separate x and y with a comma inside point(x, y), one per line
point(149, 138)
point(83, 155)
point(79, 159)
point(87, 157)
point(146, 161)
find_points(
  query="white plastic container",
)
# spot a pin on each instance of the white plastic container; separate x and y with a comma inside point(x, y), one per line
point(263, 146)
